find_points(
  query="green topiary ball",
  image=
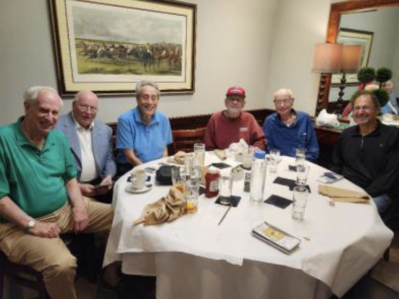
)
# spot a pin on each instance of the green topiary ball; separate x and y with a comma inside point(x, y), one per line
point(382, 96)
point(383, 74)
point(366, 74)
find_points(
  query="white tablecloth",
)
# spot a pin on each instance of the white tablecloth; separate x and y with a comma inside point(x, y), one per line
point(193, 257)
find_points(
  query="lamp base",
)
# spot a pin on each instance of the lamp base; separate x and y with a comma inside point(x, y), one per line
point(341, 94)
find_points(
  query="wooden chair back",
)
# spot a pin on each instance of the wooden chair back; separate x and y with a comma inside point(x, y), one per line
point(184, 140)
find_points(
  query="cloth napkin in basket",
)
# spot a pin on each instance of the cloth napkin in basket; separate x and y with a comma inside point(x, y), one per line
point(166, 209)
point(343, 195)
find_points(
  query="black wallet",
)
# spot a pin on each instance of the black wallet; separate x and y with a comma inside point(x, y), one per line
point(220, 165)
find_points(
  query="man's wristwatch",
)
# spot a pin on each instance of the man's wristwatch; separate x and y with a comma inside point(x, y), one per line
point(30, 225)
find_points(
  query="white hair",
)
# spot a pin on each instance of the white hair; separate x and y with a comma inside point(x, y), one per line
point(141, 84)
point(32, 93)
point(285, 91)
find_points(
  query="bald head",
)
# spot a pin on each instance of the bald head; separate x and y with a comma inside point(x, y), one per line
point(85, 107)
point(86, 94)
point(283, 93)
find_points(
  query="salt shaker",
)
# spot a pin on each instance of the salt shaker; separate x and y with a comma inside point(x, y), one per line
point(247, 182)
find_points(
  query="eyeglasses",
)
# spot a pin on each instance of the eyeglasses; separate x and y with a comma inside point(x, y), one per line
point(235, 99)
point(365, 108)
point(147, 97)
point(281, 102)
point(88, 108)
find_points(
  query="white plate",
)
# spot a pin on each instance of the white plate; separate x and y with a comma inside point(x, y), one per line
point(129, 188)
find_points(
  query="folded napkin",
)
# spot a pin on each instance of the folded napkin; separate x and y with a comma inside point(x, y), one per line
point(178, 158)
point(220, 153)
point(166, 209)
point(327, 119)
point(343, 195)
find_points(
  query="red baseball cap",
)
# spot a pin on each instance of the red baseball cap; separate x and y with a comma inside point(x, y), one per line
point(236, 91)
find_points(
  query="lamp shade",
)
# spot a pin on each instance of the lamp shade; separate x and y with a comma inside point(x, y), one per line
point(327, 58)
point(351, 58)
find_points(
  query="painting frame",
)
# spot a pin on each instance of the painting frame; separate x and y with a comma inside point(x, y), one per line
point(114, 74)
point(348, 36)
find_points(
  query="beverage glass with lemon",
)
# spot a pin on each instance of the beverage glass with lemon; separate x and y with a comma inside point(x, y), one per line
point(191, 192)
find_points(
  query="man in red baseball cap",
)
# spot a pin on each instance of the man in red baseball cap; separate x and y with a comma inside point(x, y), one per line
point(231, 125)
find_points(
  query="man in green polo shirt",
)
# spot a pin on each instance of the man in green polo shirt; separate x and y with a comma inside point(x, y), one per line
point(39, 194)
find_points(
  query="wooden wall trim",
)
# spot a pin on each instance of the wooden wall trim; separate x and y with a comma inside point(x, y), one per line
point(201, 120)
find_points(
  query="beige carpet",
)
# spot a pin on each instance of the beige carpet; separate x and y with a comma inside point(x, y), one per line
point(387, 273)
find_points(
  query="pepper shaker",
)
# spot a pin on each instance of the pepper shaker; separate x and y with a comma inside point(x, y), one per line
point(247, 182)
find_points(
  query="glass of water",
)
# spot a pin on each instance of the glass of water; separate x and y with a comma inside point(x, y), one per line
point(247, 157)
point(300, 156)
point(274, 158)
point(299, 202)
point(225, 189)
point(302, 171)
point(199, 154)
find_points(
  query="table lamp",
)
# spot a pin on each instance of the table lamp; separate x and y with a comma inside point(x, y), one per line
point(350, 63)
point(326, 60)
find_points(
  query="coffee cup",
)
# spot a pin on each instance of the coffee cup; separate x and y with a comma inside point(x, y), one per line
point(138, 177)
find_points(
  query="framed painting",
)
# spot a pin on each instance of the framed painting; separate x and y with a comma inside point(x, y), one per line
point(107, 46)
point(354, 37)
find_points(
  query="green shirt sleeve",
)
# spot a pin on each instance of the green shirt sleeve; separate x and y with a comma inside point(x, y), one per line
point(4, 185)
point(70, 171)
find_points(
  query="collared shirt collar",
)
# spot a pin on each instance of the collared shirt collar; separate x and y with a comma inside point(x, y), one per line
point(356, 132)
point(78, 126)
point(137, 117)
point(294, 122)
point(22, 139)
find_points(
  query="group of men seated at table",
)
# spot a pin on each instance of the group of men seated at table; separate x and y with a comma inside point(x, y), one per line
point(58, 181)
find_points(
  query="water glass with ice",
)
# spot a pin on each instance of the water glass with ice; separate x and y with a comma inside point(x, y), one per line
point(302, 171)
point(225, 188)
point(300, 156)
point(274, 158)
point(299, 202)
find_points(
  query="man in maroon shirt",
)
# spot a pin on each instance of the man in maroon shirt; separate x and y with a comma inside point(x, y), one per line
point(231, 125)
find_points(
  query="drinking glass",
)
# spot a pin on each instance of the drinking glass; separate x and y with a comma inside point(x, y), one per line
point(300, 156)
point(302, 171)
point(299, 202)
point(199, 154)
point(178, 177)
point(189, 163)
point(225, 188)
point(248, 155)
point(273, 161)
point(191, 192)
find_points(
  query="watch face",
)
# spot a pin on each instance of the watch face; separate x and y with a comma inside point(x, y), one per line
point(31, 224)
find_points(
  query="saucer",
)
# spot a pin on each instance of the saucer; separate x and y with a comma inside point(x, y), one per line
point(129, 188)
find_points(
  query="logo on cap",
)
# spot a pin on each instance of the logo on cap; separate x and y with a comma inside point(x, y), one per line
point(236, 90)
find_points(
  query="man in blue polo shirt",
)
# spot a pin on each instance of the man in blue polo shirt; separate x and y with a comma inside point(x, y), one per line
point(143, 132)
point(40, 196)
point(287, 129)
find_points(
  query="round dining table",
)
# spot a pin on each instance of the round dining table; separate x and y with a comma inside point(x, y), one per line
point(198, 256)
